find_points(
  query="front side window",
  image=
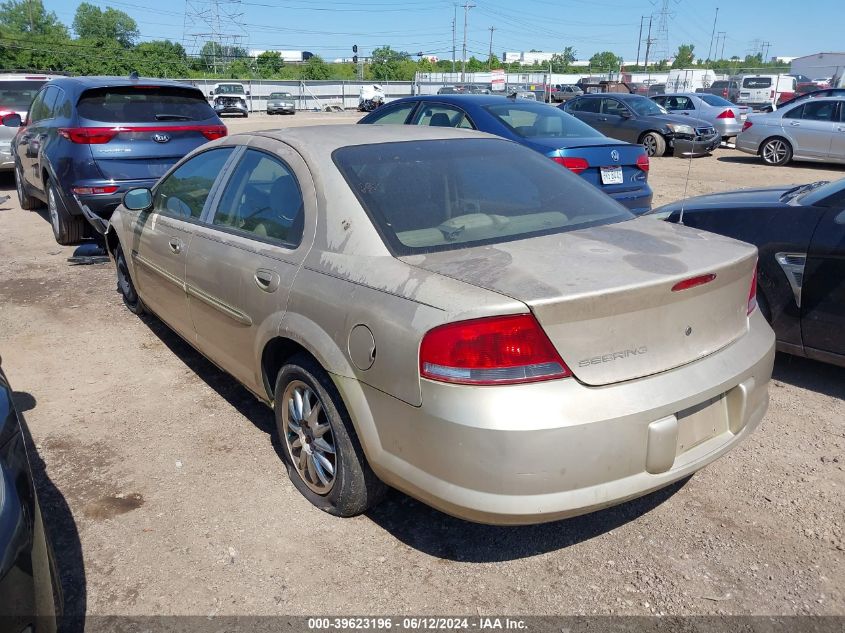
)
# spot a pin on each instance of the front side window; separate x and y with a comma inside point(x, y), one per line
point(536, 120)
point(645, 107)
point(437, 115)
point(183, 193)
point(262, 198)
point(43, 104)
point(425, 196)
point(613, 107)
point(396, 115)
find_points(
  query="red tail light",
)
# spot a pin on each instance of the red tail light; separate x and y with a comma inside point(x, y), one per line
point(725, 93)
point(573, 164)
point(87, 191)
point(692, 282)
point(771, 94)
point(643, 162)
point(100, 135)
point(727, 114)
point(490, 351)
point(746, 125)
point(752, 294)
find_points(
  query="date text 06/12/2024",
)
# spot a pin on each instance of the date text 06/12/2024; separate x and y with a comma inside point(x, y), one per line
point(416, 623)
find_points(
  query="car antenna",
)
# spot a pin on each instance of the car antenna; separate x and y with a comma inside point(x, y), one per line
point(133, 74)
point(686, 185)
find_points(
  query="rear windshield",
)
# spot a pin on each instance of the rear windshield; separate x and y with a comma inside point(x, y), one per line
point(425, 196)
point(17, 95)
point(714, 100)
point(541, 121)
point(143, 104)
point(757, 82)
point(280, 95)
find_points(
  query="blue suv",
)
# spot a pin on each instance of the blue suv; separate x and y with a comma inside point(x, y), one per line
point(88, 140)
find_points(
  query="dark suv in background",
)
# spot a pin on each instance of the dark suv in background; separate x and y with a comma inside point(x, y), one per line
point(88, 140)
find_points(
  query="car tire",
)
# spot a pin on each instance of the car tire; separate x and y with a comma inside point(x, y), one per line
point(776, 151)
point(654, 143)
point(312, 445)
point(125, 285)
point(27, 202)
point(67, 229)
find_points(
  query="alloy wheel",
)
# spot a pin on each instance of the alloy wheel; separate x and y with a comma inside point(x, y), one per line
point(19, 184)
point(53, 208)
point(308, 437)
point(650, 144)
point(774, 152)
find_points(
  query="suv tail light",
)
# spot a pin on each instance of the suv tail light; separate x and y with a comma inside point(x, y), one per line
point(752, 293)
point(727, 114)
point(643, 162)
point(725, 93)
point(100, 135)
point(498, 350)
point(746, 125)
point(574, 164)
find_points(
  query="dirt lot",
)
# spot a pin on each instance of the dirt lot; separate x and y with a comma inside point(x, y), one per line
point(165, 494)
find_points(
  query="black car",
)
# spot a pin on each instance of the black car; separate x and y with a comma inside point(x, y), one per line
point(800, 232)
point(638, 119)
point(30, 594)
point(94, 138)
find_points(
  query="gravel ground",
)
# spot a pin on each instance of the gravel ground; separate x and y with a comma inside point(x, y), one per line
point(165, 494)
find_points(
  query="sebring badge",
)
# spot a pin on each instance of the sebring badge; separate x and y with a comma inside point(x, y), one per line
point(161, 138)
point(614, 155)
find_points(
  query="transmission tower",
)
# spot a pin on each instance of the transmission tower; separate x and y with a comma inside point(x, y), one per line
point(213, 21)
point(661, 39)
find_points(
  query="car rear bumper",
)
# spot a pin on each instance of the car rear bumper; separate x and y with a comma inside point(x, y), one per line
point(540, 452)
point(695, 147)
point(726, 128)
point(637, 201)
point(748, 145)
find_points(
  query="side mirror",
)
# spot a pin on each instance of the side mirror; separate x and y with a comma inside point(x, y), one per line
point(13, 119)
point(210, 93)
point(247, 93)
point(625, 114)
point(840, 219)
point(138, 199)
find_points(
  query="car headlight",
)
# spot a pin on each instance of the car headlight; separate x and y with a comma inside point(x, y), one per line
point(681, 128)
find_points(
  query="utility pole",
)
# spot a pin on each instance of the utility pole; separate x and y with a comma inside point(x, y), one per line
point(454, 27)
point(765, 50)
point(467, 7)
point(648, 43)
point(490, 54)
point(640, 40)
point(709, 50)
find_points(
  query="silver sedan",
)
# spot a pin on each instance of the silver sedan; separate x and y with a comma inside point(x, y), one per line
point(812, 130)
point(726, 117)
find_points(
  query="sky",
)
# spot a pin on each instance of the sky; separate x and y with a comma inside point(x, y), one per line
point(330, 27)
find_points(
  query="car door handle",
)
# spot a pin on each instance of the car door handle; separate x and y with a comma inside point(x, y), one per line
point(602, 118)
point(175, 245)
point(794, 123)
point(267, 280)
point(841, 128)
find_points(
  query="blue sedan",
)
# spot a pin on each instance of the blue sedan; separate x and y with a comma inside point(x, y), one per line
point(619, 169)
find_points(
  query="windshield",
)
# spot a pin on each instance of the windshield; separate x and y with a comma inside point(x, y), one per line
point(425, 196)
point(17, 95)
point(714, 100)
point(541, 121)
point(280, 95)
point(645, 106)
point(230, 89)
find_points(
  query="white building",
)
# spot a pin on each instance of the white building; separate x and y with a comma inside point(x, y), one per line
point(287, 56)
point(819, 65)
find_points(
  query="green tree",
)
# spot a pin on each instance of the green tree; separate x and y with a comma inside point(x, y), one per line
point(494, 62)
point(30, 17)
point(605, 61)
point(269, 63)
point(424, 65)
point(684, 57)
point(91, 22)
point(161, 58)
point(475, 65)
point(315, 69)
point(386, 64)
point(562, 62)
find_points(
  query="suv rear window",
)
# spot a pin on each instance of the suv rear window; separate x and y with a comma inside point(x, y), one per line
point(425, 196)
point(757, 82)
point(17, 95)
point(143, 104)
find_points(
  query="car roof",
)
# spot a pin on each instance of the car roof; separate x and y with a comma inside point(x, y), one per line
point(464, 99)
point(106, 81)
point(620, 95)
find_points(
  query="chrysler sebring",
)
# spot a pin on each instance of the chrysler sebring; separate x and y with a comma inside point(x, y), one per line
point(451, 314)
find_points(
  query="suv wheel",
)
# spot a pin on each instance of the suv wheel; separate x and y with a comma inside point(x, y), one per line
point(67, 229)
point(319, 447)
point(27, 202)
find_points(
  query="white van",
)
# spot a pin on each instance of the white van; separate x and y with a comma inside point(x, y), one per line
point(760, 91)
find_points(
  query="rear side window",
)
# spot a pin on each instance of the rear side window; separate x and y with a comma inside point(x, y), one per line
point(586, 105)
point(143, 104)
point(425, 196)
point(757, 82)
point(396, 115)
point(437, 115)
point(17, 95)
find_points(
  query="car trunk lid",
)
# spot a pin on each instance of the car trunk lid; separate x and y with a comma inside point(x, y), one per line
point(605, 297)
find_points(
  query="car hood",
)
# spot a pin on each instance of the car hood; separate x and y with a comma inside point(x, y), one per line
point(759, 196)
